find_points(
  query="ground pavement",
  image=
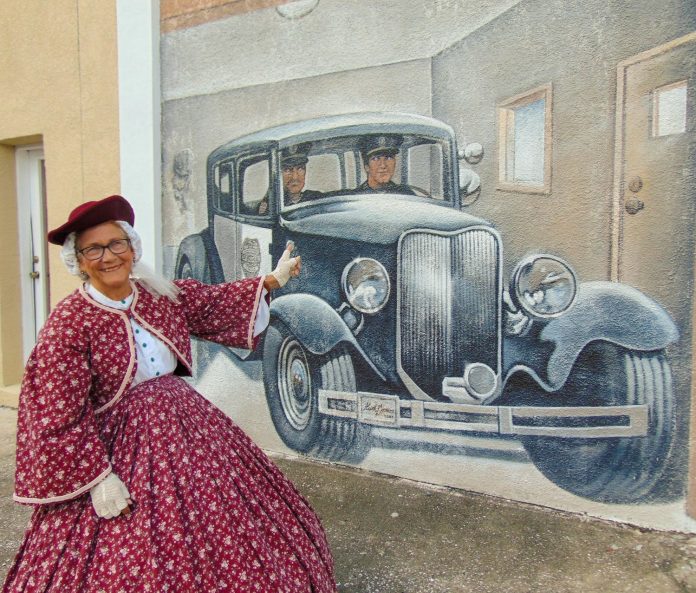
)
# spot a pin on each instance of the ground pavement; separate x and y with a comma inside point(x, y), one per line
point(395, 536)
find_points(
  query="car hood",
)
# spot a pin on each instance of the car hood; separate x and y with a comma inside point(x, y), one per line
point(377, 218)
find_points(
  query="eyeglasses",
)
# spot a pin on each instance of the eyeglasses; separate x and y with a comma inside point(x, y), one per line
point(95, 252)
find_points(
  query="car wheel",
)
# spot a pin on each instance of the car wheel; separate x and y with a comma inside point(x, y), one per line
point(193, 265)
point(292, 377)
point(184, 270)
point(616, 470)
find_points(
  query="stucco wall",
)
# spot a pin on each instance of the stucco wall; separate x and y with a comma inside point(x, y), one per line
point(576, 47)
point(58, 75)
point(246, 73)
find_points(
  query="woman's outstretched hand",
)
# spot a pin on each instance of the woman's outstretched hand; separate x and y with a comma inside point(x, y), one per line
point(287, 267)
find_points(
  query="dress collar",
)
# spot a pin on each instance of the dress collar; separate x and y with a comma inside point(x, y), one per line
point(106, 301)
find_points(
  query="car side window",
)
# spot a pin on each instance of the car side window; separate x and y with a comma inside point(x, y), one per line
point(254, 185)
point(224, 199)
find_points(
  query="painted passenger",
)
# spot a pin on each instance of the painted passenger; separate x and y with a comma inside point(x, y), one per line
point(379, 159)
point(293, 164)
point(138, 482)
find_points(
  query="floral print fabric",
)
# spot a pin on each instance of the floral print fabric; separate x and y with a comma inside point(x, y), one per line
point(211, 514)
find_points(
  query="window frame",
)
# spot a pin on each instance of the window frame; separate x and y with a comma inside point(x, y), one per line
point(229, 163)
point(263, 154)
point(504, 110)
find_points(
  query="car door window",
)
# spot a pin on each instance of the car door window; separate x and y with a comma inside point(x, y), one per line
point(223, 196)
point(254, 185)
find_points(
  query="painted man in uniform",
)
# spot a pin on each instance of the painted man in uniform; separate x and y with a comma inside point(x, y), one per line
point(293, 162)
point(379, 159)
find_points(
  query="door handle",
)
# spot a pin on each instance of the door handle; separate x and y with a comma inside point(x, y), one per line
point(33, 275)
point(636, 184)
point(634, 205)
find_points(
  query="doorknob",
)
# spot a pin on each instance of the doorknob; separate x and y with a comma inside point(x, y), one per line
point(33, 275)
point(634, 205)
point(636, 184)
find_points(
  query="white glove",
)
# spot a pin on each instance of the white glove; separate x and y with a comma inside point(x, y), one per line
point(110, 496)
point(287, 266)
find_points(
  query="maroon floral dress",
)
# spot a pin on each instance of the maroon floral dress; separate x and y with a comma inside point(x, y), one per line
point(211, 512)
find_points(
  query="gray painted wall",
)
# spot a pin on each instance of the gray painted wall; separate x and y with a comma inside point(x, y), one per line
point(576, 46)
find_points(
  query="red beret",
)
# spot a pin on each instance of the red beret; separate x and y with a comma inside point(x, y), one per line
point(91, 214)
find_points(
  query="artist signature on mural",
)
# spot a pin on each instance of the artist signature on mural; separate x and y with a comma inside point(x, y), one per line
point(377, 410)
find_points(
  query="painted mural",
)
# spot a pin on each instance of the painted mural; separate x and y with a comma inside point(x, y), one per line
point(495, 297)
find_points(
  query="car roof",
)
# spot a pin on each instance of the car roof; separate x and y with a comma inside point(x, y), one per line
point(343, 125)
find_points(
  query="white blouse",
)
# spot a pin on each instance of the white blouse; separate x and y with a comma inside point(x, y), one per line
point(153, 356)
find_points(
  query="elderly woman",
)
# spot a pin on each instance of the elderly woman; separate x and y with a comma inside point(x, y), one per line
point(139, 483)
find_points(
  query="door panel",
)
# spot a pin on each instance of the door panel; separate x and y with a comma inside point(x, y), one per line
point(34, 270)
point(254, 251)
point(228, 244)
point(658, 179)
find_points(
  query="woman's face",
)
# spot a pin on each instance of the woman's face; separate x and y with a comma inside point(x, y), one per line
point(110, 273)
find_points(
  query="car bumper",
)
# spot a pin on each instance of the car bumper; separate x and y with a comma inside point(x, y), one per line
point(589, 422)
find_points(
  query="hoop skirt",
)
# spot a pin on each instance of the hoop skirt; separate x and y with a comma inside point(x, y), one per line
point(211, 512)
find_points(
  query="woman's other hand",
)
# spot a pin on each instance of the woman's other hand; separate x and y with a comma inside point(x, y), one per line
point(110, 497)
point(288, 267)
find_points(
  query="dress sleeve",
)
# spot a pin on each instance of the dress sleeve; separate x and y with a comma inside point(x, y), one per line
point(224, 313)
point(59, 453)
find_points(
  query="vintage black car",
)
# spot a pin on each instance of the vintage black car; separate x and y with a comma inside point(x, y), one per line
point(402, 317)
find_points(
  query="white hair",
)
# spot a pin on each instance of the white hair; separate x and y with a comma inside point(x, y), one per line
point(154, 282)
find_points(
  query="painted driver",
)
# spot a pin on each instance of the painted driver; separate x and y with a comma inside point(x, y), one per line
point(379, 159)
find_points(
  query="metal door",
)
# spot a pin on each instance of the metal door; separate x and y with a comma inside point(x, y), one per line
point(31, 196)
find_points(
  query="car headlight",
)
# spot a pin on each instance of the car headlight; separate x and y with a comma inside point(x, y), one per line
point(366, 285)
point(544, 286)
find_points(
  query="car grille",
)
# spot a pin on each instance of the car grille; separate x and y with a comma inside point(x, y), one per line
point(449, 305)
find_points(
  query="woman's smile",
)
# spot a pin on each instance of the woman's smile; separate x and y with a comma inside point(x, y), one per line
point(109, 274)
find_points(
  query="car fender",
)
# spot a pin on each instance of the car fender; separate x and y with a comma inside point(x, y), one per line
point(607, 311)
point(200, 251)
point(317, 326)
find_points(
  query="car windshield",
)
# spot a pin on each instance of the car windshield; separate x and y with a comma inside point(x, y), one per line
point(405, 164)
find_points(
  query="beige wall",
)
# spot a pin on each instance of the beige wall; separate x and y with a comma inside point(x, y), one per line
point(58, 72)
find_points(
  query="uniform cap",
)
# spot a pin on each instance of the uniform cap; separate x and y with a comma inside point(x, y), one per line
point(375, 145)
point(295, 155)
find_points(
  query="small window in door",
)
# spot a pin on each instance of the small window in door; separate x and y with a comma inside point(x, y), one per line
point(669, 109)
point(254, 185)
point(524, 142)
point(223, 187)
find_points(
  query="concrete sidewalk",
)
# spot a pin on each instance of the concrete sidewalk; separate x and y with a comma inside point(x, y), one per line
point(395, 536)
